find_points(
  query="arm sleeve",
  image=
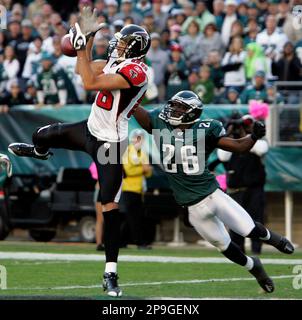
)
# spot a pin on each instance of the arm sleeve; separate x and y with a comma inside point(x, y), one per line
point(224, 156)
point(217, 132)
point(260, 148)
point(133, 74)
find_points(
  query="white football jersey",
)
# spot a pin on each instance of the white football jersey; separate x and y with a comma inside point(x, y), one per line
point(111, 110)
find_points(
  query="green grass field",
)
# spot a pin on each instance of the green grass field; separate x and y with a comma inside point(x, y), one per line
point(38, 278)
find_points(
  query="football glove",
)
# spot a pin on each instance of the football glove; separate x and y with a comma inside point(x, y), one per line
point(77, 38)
point(259, 130)
point(89, 22)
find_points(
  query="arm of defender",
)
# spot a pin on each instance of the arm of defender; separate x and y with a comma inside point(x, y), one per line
point(236, 145)
point(143, 118)
point(101, 82)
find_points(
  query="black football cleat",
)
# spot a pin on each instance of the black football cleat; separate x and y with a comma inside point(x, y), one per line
point(265, 282)
point(280, 243)
point(110, 284)
point(27, 150)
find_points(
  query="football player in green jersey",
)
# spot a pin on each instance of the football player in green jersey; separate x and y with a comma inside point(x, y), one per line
point(185, 141)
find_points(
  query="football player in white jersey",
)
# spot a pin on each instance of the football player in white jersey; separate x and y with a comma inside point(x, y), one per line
point(121, 82)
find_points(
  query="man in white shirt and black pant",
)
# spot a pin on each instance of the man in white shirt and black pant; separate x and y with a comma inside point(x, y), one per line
point(246, 179)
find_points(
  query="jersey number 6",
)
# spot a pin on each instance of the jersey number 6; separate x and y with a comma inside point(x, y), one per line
point(104, 100)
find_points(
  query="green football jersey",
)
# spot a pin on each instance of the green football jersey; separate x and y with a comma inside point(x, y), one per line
point(50, 82)
point(184, 155)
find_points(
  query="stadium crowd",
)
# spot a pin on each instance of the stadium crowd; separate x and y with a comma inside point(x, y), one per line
point(228, 52)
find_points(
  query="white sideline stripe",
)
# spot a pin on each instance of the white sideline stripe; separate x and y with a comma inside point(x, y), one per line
point(156, 283)
point(129, 258)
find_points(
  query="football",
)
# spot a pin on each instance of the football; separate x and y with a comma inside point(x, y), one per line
point(67, 47)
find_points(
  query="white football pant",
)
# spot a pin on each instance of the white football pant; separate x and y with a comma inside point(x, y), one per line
point(210, 216)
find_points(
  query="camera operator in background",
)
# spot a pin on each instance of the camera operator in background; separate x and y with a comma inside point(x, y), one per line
point(246, 175)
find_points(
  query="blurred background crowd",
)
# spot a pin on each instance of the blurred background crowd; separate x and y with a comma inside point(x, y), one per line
point(227, 51)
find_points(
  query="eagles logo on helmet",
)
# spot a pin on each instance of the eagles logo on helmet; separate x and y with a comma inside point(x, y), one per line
point(185, 107)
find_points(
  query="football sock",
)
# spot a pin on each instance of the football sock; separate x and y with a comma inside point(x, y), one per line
point(259, 232)
point(250, 263)
point(234, 254)
point(111, 234)
point(111, 267)
point(44, 153)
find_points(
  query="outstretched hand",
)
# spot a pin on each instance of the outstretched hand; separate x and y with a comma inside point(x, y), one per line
point(89, 22)
point(259, 130)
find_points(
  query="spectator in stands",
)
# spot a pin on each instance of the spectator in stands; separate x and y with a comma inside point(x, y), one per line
point(159, 60)
point(128, 11)
point(251, 31)
point(100, 49)
point(136, 168)
point(167, 6)
point(254, 61)
point(255, 91)
point(149, 23)
point(143, 7)
point(22, 44)
point(11, 65)
point(205, 16)
point(17, 12)
point(14, 31)
point(14, 97)
point(85, 3)
point(285, 21)
point(36, 22)
point(298, 49)
point(204, 87)
point(31, 93)
point(230, 17)
point(233, 65)
point(211, 40)
point(47, 11)
point(213, 60)
point(272, 41)
point(50, 83)
point(175, 32)
point(272, 7)
point(191, 43)
point(179, 16)
point(236, 30)
point(2, 42)
point(111, 10)
point(242, 11)
point(32, 59)
point(160, 17)
point(272, 96)
point(44, 32)
point(232, 97)
point(35, 7)
point(176, 77)
point(288, 67)
point(3, 77)
point(100, 5)
point(253, 13)
point(218, 11)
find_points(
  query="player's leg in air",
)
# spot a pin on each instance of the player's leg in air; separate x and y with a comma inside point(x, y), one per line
point(76, 136)
point(210, 216)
